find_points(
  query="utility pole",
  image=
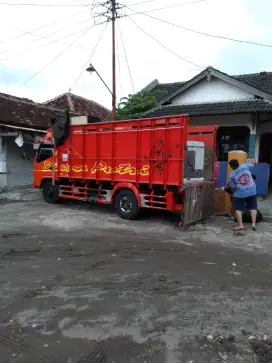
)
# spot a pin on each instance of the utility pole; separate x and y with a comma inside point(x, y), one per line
point(113, 9)
point(111, 15)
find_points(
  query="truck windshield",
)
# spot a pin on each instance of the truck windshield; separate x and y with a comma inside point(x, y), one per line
point(45, 152)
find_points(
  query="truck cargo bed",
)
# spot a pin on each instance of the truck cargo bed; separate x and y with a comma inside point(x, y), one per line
point(147, 151)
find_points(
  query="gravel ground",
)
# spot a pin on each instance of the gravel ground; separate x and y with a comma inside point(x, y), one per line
point(80, 285)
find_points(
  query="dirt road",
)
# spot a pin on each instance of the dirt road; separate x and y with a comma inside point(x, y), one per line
point(78, 284)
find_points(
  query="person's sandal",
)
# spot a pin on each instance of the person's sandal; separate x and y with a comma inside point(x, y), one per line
point(254, 229)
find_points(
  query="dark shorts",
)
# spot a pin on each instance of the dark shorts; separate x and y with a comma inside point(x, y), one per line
point(249, 203)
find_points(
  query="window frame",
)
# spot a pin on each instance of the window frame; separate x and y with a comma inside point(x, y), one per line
point(44, 146)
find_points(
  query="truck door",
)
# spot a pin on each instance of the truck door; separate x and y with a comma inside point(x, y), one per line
point(43, 163)
point(45, 152)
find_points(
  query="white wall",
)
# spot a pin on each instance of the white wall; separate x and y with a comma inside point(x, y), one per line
point(211, 91)
point(20, 161)
point(3, 175)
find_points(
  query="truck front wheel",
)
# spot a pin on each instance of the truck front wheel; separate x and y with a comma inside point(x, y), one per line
point(50, 192)
point(126, 204)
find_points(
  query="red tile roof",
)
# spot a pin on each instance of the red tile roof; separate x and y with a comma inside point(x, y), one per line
point(23, 112)
point(80, 105)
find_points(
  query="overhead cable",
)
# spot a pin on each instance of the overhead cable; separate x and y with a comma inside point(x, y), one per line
point(85, 5)
point(90, 58)
point(203, 33)
point(164, 46)
point(40, 37)
point(142, 2)
point(51, 42)
point(119, 68)
point(41, 27)
point(56, 57)
point(40, 5)
point(165, 7)
point(123, 44)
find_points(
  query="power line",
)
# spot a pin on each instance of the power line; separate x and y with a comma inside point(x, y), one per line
point(65, 43)
point(86, 6)
point(129, 71)
point(164, 46)
point(111, 13)
point(41, 5)
point(89, 60)
point(41, 27)
point(165, 7)
point(80, 46)
point(53, 41)
point(55, 32)
point(203, 33)
point(142, 2)
point(48, 35)
point(55, 58)
point(119, 67)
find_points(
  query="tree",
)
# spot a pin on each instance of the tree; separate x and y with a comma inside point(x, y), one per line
point(134, 106)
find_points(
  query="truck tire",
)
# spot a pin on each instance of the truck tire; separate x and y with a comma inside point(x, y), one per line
point(50, 192)
point(126, 204)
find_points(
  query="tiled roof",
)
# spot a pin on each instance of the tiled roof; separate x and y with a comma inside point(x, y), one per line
point(82, 106)
point(262, 81)
point(167, 89)
point(23, 112)
point(213, 108)
point(16, 111)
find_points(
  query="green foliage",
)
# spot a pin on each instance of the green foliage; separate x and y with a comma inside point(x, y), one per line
point(134, 106)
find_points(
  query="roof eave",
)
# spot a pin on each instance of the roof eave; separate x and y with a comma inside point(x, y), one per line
point(33, 129)
point(235, 82)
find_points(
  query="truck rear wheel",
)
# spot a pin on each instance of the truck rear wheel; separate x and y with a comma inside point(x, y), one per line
point(126, 204)
point(50, 192)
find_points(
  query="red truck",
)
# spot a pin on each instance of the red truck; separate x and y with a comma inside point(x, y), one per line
point(132, 164)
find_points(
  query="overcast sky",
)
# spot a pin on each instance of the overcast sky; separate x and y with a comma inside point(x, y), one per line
point(22, 55)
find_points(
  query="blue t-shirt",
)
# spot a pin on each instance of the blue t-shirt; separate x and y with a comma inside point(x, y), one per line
point(241, 179)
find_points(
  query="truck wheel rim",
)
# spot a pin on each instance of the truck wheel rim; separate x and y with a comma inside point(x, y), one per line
point(125, 205)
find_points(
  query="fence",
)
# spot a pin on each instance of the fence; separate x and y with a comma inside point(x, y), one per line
point(198, 202)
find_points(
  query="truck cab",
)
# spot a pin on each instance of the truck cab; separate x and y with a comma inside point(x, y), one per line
point(43, 161)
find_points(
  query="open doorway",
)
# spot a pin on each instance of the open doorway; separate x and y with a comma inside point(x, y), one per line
point(265, 152)
point(231, 138)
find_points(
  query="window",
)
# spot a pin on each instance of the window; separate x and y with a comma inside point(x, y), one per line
point(45, 152)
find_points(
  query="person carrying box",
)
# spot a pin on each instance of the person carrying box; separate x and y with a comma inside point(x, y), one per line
point(243, 188)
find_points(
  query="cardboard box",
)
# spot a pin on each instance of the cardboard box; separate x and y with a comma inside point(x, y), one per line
point(222, 203)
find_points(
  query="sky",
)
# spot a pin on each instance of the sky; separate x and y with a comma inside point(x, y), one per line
point(44, 49)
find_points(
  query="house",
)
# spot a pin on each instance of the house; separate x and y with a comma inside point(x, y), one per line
point(80, 105)
point(23, 124)
point(240, 105)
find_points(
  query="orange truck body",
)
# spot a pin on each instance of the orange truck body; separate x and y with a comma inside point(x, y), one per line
point(101, 162)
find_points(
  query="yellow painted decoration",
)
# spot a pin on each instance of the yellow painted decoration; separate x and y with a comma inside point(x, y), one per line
point(121, 169)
